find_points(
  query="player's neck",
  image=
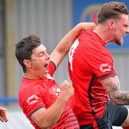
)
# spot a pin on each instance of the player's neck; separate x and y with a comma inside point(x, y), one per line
point(103, 33)
point(30, 76)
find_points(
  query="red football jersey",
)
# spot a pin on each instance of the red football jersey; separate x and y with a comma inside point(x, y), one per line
point(38, 93)
point(89, 62)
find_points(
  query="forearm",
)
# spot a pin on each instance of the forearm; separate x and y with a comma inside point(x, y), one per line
point(46, 118)
point(66, 42)
point(54, 112)
point(64, 45)
point(120, 97)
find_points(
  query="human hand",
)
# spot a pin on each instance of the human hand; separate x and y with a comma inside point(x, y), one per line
point(3, 115)
point(87, 25)
point(67, 90)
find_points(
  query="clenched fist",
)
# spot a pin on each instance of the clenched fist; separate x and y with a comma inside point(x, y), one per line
point(66, 90)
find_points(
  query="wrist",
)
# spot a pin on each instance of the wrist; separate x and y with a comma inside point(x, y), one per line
point(63, 98)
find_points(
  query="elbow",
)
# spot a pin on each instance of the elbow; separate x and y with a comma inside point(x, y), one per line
point(42, 120)
point(45, 124)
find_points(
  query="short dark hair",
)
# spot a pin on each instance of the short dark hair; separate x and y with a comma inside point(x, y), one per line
point(25, 47)
point(111, 10)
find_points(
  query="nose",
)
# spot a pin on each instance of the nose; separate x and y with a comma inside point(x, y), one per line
point(127, 30)
point(47, 56)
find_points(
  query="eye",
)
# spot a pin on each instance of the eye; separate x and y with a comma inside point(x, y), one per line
point(126, 26)
point(41, 54)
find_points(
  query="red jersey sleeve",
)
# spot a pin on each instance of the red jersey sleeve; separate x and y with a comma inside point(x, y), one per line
point(51, 68)
point(31, 99)
point(100, 62)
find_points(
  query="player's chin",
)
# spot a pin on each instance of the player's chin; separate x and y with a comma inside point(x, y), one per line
point(120, 42)
point(44, 75)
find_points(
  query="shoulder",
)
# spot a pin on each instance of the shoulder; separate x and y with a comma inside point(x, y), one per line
point(30, 95)
point(28, 88)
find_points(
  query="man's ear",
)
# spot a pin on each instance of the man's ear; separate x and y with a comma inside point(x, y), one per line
point(111, 23)
point(27, 63)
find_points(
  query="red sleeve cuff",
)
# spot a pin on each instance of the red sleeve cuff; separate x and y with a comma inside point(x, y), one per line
point(107, 76)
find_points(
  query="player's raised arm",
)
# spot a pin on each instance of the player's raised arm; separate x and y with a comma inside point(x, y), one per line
point(62, 48)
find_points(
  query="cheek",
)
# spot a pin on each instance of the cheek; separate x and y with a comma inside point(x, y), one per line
point(121, 29)
point(37, 66)
point(119, 33)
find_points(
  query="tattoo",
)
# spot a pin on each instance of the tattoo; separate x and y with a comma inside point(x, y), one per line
point(112, 86)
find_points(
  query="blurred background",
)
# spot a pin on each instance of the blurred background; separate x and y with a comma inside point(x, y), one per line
point(51, 20)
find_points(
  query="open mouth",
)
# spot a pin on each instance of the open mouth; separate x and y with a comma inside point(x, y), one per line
point(46, 65)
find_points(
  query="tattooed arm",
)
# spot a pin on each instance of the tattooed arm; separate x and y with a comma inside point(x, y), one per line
point(112, 86)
